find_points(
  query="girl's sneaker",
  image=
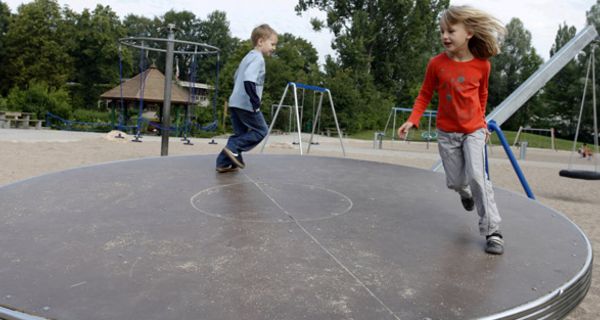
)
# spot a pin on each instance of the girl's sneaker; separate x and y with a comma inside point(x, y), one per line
point(468, 203)
point(495, 243)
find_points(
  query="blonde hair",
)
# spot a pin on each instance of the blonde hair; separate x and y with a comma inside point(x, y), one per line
point(264, 31)
point(487, 30)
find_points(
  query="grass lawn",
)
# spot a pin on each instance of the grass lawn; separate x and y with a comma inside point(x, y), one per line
point(533, 140)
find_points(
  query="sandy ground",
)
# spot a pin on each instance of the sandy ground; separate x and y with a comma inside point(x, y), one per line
point(29, 153)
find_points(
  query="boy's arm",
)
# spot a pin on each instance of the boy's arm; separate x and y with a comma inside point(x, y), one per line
point(250, 88)
point(251, 77)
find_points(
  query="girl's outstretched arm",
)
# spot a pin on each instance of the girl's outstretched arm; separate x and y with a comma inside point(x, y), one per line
point(403, 130)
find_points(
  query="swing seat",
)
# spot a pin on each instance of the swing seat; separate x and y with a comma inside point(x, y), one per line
point(580, 174)
point(210, 127)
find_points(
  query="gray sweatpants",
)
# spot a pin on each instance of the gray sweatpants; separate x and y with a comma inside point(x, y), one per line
point(463, 157)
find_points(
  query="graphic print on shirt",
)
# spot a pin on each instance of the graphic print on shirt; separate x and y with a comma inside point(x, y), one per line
point(453, 83)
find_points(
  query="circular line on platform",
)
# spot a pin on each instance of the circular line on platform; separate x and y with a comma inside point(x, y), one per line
point(231, 215)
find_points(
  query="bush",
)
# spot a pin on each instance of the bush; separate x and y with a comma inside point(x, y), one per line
point(39, 99)
point(85, 115)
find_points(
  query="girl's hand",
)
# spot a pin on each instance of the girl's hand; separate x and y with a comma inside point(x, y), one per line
point(487, 135)
point(403, 130)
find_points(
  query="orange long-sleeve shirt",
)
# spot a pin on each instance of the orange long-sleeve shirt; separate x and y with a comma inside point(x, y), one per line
point(462, 89)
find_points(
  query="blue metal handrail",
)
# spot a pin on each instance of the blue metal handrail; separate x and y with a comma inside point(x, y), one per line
point(493, 127)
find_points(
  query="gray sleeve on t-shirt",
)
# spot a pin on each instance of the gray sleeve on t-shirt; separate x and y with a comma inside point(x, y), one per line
point(253, 70)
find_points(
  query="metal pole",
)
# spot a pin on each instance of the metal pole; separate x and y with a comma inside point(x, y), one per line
point(297, 116)
point(517, 136)
point(166, 123)
point(429, 130)
point(594, 105)
point(314, 126)
point(388, 122)
point(493, 126)
point(274, 118)
point(587, 76)
point(394, 127)
point(337, 125)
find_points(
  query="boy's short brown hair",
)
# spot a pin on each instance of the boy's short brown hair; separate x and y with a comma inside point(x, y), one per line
point(264, 31)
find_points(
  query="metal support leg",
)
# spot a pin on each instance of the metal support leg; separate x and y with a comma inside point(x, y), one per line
point(314, 126)
point(274, 118)
point(337, 125)
point(297, 116)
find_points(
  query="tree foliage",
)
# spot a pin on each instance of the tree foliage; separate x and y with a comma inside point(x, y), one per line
point(563, 92)
point(382, 46)
point(35, 46)
point(4, 21)
point(517, 61)
point(390, 40)
point(93, 48)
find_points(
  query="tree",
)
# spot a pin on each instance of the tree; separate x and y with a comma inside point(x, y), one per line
point(214, 31)
point(563, 91)
point(186, 28)
point(593, 15)
point(136, 26)
point(390, 40)
point(4, 21)
point(383, 48)
point(95, 53)
point(35, 46)
point(516, 62)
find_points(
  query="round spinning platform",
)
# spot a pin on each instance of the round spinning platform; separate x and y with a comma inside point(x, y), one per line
point(288, 237)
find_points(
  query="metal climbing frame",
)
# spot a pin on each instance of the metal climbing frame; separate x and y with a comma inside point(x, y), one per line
point(322, 91)
point(199, 49)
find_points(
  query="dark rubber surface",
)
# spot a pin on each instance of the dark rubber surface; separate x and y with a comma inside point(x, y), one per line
point(288, 237)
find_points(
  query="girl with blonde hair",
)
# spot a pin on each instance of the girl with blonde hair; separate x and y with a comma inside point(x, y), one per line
point(460, 77)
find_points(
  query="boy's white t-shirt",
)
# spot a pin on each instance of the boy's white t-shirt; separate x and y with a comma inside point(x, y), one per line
point(252, 68)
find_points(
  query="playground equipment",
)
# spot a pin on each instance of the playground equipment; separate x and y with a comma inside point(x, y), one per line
point(185, 48)
point(513, 161)
point(296, 108)
point(524, 130)
point(586, 174)
point(305, 238)
point(291, 126)
point(429, 114)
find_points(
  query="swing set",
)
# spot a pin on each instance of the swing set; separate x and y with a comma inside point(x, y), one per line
point(297, 108)
point(586, 174)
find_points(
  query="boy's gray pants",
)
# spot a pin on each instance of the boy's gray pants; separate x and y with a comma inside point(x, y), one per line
point(463, 157)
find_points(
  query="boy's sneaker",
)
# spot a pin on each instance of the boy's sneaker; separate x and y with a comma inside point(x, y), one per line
point(468, 203)
point(494, 244)
point(229, 168)
point(236, 158)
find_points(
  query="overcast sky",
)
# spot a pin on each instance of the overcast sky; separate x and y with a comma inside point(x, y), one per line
point(540, 17)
